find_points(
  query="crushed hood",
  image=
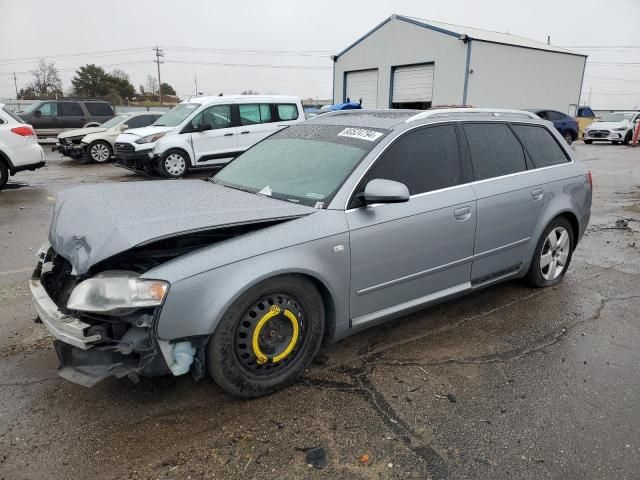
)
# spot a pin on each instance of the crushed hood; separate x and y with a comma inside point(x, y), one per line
point(144, 131)
point(94, 222)
point(81, 132)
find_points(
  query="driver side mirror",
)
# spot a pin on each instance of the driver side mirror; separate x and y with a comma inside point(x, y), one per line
point(204, 127)
point(124, 127)
point(381, 190)
point(37, 113)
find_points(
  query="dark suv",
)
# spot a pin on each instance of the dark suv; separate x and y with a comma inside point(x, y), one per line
point(51, 117)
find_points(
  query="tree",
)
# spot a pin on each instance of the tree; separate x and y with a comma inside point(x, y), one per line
point(46, 81)
point(92, 81)
point(250, 92)
point(167, 89)
point(152, 85)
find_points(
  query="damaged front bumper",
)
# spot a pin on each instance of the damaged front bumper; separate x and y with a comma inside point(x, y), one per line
point(97, 347)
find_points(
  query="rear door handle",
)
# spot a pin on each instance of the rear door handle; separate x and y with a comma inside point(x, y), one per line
point(228, 134)
point(246, 131)
point(462, 213)
point(537, 193)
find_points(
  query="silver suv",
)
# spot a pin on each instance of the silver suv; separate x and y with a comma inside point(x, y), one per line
point(321, 230)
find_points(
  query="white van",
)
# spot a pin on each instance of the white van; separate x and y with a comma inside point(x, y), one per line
point(215, 130)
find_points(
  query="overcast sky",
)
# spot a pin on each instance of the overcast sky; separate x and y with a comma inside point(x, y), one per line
point(295, 33)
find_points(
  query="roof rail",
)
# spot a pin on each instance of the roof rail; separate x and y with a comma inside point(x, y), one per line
point(493, 112)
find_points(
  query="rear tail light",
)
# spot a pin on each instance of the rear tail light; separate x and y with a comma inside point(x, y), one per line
point(590, 179)
point(24, 131)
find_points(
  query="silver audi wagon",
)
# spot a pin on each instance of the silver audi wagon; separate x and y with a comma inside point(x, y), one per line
point(323, 229)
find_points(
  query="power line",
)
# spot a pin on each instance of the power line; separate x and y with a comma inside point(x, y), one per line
point(252, 65)
point(74, 55)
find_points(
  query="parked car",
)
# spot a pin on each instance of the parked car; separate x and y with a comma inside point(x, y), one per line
point(565, 124)
point(19, 149)
point(96, 143)
point(321, 230)
point(206, 132)
point(615, 127)
point(51, 117)
point(585, 118)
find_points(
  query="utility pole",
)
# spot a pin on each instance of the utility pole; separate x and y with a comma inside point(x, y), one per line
point(196, 79)
point(15, 83)
point(159, 55)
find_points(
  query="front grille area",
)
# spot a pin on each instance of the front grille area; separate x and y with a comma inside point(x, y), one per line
point(599, 133)
point(124, 148)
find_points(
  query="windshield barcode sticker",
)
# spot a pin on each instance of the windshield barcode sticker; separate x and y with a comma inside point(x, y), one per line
point(360, 133)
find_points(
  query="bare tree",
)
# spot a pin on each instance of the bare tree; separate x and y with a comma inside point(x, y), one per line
point(46, 81)
point(152, 84)
point(119, 74)
point(250, 92)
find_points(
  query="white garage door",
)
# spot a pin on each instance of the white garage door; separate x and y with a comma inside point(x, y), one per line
point(363, 85)
point(413, 84)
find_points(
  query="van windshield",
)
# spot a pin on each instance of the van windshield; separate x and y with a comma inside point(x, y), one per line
point(304, 164)
point(176, 115)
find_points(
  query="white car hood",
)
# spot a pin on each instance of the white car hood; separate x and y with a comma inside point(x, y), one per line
point(81, 132)
point(608, 125)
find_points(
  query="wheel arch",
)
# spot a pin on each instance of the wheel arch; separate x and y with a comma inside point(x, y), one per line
point(7, 161)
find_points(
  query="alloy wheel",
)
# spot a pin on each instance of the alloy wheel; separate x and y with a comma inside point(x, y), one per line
point(100, 153)
point(555, 253)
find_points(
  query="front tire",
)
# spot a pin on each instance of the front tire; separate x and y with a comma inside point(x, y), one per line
point(627, 139)
point(552, 255)
point(173, 164)
point(99, 151)
point(267, 338)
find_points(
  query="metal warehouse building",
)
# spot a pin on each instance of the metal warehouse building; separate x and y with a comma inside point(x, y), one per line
point(407, 62)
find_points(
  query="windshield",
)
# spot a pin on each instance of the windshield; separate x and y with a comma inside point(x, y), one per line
point(176, 115)
point(32, 107)
point(617, 117)
point(303, 164)
point(6, 110)
point(114, 121)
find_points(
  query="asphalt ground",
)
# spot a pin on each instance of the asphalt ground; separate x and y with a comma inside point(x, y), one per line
point(509, 382)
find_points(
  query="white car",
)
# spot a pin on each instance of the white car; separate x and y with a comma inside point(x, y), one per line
point(19, 149)
point(206, 132)
point(96, 143)
point(615, 127)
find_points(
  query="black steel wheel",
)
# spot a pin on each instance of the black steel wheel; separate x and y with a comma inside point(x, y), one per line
point(268, 337)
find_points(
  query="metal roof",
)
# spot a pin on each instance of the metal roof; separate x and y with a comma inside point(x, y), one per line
point(460, 31)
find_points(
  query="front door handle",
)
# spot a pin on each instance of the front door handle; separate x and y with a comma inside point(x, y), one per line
point(246, 131)
point(228, 134)
point(537, 193)
point(462, 213)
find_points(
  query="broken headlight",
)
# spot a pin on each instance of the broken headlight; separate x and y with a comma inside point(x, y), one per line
point(117, 290)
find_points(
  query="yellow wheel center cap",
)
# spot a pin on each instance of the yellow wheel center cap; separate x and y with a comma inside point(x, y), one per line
point(274, 311)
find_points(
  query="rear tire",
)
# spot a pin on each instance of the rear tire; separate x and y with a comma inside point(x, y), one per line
point(4, 174)
point(256, 349)
point(173, 163)
point(99, 151)
point(552, 255)
point(568, 136)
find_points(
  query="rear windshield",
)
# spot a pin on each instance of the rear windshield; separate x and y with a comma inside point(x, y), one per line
point(304, 164)
point(115, 120)
point(6, 110)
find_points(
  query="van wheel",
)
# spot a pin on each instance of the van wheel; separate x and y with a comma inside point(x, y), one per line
point(627, 139)
point(267, 338)
point(568, 137)
point(552, 255)
point(99, 151)
point(4, 174)
point(173, 164)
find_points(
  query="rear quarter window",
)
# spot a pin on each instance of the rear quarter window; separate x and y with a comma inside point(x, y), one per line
point(287, 111)
point(99, 109)
point(70, 109)
point(494, 149)
point(541, 146)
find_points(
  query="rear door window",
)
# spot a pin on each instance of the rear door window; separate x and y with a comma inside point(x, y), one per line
point(254, 113)
point(70, 109)
point(495, 150)
point(287, 111)
point(554, 116)
point(541, 146)
point(99, 109)
point(424, 160)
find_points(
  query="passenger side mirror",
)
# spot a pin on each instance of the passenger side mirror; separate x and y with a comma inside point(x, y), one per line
point(381, 190)
point(37, 113)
